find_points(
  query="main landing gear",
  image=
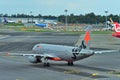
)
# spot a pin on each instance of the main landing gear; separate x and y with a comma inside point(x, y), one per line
point(70, 63)
point(46, 64)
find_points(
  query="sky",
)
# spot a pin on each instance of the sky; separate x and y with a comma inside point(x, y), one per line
point(57, 7)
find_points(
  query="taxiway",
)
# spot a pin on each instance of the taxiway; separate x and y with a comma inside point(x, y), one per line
point(97, 67)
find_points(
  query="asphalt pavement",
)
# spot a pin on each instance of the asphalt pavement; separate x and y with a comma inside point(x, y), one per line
point(96, 67)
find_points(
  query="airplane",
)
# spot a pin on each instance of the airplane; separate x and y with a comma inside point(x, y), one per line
point(43, 25)
point(8, 21)
point(116, 30)
point(45, 52)
point(108, 27)
point(115, 26)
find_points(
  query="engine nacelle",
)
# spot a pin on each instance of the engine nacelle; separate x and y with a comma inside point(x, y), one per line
point(34, 59)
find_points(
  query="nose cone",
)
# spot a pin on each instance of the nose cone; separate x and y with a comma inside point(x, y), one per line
point(37, 47)
point(34, 48)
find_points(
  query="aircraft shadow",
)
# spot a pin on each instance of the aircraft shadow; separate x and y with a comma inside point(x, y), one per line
point(56, 67)
point(116, 44)
point(93, 68)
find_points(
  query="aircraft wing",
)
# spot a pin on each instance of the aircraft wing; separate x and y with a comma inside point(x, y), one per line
point(45, 55)
point(22, 54)
point(106, 51)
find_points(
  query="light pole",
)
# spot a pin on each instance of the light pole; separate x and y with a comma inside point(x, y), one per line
point(31, 16)
point(66, 17)
point(106, 18)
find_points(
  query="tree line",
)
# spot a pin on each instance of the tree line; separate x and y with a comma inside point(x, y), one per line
point(89, 18)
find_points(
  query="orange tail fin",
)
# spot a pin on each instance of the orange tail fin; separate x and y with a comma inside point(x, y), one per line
point(86, 42)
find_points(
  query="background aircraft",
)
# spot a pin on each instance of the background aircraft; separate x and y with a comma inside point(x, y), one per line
point(8, 20)
point(116, 30)
point(115, 26)
point(45, 52)
point(43, 25)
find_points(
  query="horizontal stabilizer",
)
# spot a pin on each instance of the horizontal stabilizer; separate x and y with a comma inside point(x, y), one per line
point(106, 51)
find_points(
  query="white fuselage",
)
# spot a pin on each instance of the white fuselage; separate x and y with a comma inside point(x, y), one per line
point(66, 53)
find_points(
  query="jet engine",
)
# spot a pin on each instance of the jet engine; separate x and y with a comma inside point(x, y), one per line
point(34, 59)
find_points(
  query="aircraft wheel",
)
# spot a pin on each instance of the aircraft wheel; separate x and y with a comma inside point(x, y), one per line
point(70, 63)
point(46, 64)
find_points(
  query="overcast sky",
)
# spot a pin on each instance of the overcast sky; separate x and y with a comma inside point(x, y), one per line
point(57, 7)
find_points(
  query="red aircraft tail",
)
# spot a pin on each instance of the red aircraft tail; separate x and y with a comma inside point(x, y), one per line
point(116, 29)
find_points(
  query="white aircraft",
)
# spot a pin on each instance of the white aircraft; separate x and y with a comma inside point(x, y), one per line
point(8, 21)
point(45, 52)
